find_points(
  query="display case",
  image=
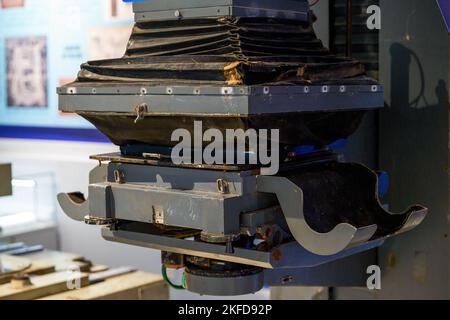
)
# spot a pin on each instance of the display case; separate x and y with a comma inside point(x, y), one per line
point(31, 204)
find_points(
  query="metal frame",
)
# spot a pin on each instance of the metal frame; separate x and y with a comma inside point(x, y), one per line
point(213, 213)
point(192, 199)
point(133, 199)
point(178, 9)
point(286, 265)
point(289, 255)
point(348, 271)
point(220, 100)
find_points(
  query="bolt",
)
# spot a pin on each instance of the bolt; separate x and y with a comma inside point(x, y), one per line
point(287, 280)
point(223, 186)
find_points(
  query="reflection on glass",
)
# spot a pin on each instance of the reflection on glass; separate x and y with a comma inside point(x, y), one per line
point(32, 202)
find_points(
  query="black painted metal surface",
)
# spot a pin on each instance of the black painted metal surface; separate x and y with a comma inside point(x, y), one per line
point(226, 51)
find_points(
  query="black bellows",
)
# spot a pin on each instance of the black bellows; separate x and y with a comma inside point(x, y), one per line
point(232, 51)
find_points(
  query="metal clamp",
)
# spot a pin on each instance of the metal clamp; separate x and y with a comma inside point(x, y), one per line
point(140, 112)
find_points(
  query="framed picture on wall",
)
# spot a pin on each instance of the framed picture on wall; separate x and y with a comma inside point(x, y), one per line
point(7, 4)
point(107, 42)
point(26, 72)
point(42, 45)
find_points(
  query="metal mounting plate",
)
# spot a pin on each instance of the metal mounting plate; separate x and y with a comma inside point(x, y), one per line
point(289, 255)
point(177, 9)
point(219, 100)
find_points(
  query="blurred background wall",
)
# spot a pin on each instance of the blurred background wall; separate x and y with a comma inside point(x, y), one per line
point(42, 44)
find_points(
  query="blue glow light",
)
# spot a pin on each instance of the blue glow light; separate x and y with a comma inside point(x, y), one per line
point(444, 5)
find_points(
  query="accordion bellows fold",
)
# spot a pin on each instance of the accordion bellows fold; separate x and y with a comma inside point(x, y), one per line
point(218, 52)
point(230, 50)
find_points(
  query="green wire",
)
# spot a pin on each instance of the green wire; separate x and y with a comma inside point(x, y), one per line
point(170, 283)
point(184, 280)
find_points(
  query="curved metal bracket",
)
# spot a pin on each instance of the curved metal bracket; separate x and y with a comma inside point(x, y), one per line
point(416, 215)
point(344, 208)
point(74, 205)
point(290, 196)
